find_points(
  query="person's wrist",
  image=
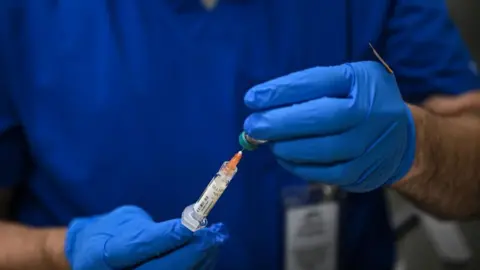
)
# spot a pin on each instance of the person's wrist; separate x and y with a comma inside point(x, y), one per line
point(54, 248)
point(423, 164)
point(408, 145)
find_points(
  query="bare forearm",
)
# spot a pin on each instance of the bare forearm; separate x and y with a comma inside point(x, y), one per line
point(23, 248)
point(445, 179)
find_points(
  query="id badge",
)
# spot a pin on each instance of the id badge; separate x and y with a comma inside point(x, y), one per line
point(311, 227)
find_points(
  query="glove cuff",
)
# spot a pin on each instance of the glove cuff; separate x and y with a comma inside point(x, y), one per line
point(410, 146)
point(73, 229)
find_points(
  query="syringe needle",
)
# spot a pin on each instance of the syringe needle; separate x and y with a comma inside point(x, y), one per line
point(233, 162)
point(380, 59)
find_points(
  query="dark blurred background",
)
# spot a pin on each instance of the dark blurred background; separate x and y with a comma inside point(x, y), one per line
point(466, 13)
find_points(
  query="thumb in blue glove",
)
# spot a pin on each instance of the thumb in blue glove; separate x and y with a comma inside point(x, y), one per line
point(128, 237)
point(200, 253)
point(343, 125)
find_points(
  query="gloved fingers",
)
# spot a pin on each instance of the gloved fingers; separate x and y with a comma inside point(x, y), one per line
point(127, 211)
point(376, 169)
point(351, 174)
point(220, 231)
point(373, 72)
point(74, 243)
point(336, 174)
point(194, 254)
point(319, 117)
point(150, 240)
point(321, 150)
point(318, 82)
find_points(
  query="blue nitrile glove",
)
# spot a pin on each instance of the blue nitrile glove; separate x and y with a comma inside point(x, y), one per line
point(128, 238)
point(343, 125)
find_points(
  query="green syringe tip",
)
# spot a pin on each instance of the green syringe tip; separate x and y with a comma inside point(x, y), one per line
point(242, 140)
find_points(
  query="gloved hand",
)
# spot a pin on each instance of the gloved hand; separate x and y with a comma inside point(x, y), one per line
point(128, 238)
point(343, 125)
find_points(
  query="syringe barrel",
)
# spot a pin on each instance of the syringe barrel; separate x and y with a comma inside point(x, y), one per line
point(194, 216)
point(214, 190)
point(249, 143)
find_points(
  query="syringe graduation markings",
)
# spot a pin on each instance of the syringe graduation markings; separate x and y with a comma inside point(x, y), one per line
point(194, 216)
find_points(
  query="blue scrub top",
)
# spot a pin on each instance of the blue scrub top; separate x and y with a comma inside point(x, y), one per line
point(139, 102)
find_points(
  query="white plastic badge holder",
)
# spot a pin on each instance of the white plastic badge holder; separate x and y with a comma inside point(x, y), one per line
point(311, 227)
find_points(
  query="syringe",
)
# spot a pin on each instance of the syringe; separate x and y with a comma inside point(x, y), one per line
point(194, 216)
